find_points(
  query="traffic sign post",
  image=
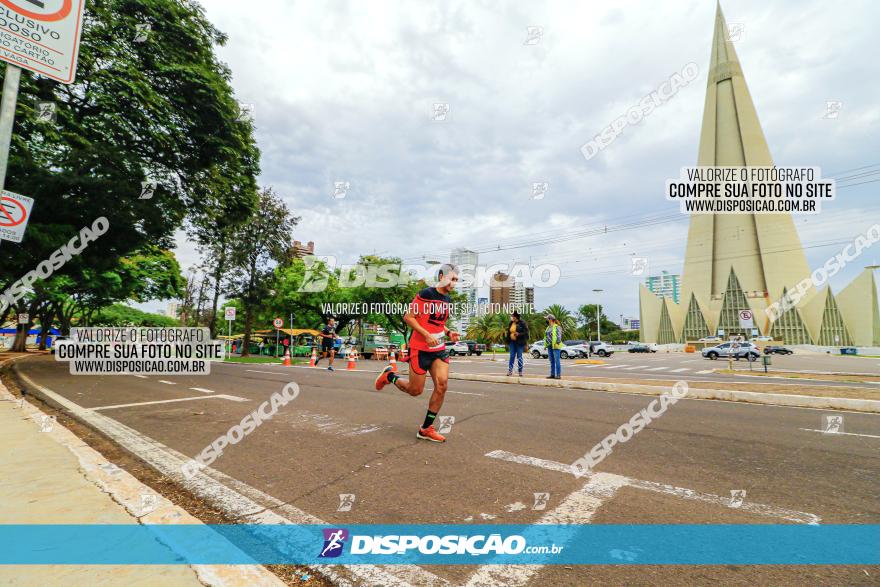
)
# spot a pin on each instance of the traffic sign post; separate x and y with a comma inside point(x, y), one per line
point(15, 211)
point(277, 323)
point(45, 41)
point(44, 37)
point(229, 314)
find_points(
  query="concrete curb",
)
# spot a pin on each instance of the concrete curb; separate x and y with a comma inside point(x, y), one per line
point(128, 492)
point(772, 399)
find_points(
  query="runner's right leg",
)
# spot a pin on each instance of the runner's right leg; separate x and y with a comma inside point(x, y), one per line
point(414, 386)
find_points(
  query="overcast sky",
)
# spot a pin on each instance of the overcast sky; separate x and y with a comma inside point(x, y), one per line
point(345, 91)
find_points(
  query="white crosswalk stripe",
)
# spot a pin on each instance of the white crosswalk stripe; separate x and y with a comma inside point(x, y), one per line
point(704, 372)
point(614, 366)
point(658, 368)
point(679, 370)
point(635, 367)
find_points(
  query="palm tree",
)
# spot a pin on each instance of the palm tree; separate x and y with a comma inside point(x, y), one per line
point(565, 318)
point(490, 328)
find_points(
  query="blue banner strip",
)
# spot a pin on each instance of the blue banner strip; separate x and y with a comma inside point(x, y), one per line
point(659, 544)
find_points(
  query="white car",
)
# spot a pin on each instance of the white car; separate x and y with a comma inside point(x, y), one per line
point(600, 348)
point(710, 339)
point(764, 338)
point(459, 348)
point(736, 349)
point(538, 350)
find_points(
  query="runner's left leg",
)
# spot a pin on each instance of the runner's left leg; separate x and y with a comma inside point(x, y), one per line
point(440, 375)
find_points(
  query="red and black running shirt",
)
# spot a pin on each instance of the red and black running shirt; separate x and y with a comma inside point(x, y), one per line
point(431, 309)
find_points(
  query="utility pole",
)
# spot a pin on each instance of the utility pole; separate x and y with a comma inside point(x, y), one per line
point(598, 315)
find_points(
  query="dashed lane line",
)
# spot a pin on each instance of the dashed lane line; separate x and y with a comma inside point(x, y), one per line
point(681, 492)
point(202, 389)
point(840, 433)
point(578, 508)
point(232, 398)
point(167, 382)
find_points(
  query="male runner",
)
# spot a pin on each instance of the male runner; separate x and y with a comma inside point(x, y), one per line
point(427, 317)
point(328, 340)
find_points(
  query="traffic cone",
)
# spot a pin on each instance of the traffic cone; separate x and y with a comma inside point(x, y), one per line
point(314, 358)
point(393, 361)
point(287, 358)
point(352, 359)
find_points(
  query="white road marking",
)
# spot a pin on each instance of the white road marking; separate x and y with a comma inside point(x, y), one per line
point(657, 369)
point(704, 372)
point(752, 508)
point(465, 393)
point(614, 366)
point(202, 389)
point(167, 382)
point(679, 370)
point(578, 508)
point(635, 367)
point(141, 376)
point(269, 372)
point(840, 433)
point(237, 499)
point(231, 398)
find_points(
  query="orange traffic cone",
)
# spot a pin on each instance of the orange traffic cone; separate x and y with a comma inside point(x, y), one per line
point(393, 361)
point(287, 358)
point(352, 360)
point(314, 358)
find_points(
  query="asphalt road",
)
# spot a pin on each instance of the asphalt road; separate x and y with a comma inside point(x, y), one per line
point(507, 443)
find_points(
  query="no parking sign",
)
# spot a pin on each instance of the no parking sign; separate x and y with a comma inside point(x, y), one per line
point(15, 211)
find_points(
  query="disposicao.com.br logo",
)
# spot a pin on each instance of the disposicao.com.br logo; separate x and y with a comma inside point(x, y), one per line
point(452, 544)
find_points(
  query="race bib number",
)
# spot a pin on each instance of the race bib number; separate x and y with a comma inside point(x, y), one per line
point(441, 341)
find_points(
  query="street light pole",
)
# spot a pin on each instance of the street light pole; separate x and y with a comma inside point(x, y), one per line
point(598, 315)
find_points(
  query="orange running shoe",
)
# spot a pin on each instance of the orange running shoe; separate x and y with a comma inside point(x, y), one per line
point(431, 434)
point(382, 379)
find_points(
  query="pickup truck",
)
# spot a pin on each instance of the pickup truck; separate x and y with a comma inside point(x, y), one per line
point(466, 347)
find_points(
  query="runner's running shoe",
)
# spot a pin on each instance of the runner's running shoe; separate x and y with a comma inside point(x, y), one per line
point(382, 379)
point(431, 434)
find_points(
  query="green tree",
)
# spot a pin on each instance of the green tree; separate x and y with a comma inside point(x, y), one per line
point(565, 318)
point(260, 244)
point(122, 315)
point(162, 111)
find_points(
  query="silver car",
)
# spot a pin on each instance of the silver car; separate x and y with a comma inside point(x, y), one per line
point(736, 350)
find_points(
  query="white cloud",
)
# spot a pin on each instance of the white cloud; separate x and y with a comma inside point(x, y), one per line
point(344, 91)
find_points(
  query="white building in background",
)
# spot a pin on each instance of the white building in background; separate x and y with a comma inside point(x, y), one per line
point(171, 310)
point(468, 259)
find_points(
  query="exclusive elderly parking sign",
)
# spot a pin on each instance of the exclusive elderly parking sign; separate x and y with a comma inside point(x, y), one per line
point(42, 36)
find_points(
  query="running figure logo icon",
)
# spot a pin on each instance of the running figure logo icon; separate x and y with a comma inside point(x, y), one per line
point(334, 541)
point(832, 424)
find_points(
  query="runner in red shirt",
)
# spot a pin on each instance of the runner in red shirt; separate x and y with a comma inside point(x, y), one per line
point(427, 317)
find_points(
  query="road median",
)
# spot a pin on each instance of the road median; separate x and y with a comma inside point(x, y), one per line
point(858, 404)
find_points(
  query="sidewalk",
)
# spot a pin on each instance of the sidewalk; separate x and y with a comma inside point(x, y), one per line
point(49, 476)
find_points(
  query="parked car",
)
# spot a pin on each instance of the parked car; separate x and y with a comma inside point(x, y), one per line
point(744, 350)
point(777, 350)
point(538, 350)
point(459, 348)
point(642, 348)
point(568, 351)
point(764, 338)
point(710, 339)
point(475, 348)
point(466, 347)
point(600, 348)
